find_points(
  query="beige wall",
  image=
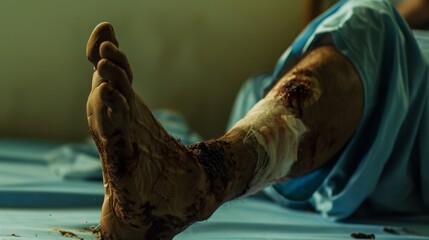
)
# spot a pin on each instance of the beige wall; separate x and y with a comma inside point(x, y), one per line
point(188, 55)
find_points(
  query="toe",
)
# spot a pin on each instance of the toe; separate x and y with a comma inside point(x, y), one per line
point(111, 52)
point(116, 76)
point(98, 119)
point(117, 104)
point(97, 80)
point(101, 33)
point(108, 110)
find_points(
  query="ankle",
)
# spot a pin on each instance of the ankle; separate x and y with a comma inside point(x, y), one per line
point(213, 158)
point(229, 163)
point(245, 153)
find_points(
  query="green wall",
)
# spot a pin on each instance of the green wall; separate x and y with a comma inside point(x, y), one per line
point(187, 55)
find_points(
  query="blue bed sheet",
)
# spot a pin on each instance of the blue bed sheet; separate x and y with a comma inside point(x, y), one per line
point(250, 218)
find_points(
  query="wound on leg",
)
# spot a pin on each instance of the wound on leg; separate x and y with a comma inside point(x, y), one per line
point(299, 90)
point(212, 156)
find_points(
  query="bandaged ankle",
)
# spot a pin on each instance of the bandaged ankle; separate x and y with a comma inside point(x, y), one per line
point(278, 133)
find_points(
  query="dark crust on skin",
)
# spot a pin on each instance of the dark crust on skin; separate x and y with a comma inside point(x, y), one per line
point(213, 157)
point(121, 165)
point(298, 91)
point(163, 227)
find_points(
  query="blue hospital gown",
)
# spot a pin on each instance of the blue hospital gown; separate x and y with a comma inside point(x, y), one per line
point(384, 166)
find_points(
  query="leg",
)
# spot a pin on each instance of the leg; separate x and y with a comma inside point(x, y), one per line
point(155, 187)
point(333, 118)
point(415, 12)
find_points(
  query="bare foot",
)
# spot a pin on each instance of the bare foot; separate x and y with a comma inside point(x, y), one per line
point(154, 186)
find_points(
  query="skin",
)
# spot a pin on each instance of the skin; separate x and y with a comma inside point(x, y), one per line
point(155, 186)
point(331, 117)
point(415, 12)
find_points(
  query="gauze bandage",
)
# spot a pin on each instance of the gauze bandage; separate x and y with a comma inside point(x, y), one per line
point(278, 133)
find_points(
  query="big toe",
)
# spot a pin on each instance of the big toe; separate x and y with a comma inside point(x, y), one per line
point(101, 33)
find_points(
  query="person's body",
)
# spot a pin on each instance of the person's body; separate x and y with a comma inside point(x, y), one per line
point(322, 105)
point(415, 12)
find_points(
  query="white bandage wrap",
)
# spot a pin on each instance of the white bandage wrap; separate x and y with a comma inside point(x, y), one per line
point(278, 133)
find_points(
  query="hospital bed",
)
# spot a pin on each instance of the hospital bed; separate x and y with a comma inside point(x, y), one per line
point(52, 190)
